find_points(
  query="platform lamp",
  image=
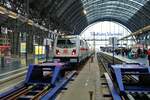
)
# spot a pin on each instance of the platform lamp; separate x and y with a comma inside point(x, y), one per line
point(141, 30)
point(113, 44)
point(47, 48)
point(94, 43)
point(26, 28)
point(38, 39)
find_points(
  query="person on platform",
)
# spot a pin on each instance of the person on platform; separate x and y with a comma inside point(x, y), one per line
point(148, 53)
point(139, 51)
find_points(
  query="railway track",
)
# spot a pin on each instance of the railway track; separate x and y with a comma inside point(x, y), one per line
point(36, 91)
point(104, 61)
point(11, 79)
point(29, 92)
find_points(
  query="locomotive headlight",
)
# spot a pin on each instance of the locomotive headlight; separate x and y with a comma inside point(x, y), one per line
point(74, 52)
point(57, 52)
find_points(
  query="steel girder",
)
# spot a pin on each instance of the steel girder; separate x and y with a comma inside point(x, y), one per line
point(119, 9)
point(120, 15)
point(69, 13)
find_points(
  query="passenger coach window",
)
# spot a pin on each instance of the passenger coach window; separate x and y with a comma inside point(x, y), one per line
point(81, 43)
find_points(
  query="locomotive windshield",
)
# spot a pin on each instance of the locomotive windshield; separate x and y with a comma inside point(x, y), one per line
point(66, 42)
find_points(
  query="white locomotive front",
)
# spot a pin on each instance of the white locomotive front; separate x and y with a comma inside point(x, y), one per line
point(70, 48)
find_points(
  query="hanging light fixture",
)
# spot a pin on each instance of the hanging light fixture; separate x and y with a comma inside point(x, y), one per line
point(30, 22)
point(84, 11)
point(2, 10)
point(12, 15)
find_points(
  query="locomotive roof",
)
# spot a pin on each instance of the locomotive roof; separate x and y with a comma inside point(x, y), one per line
point(68, 36)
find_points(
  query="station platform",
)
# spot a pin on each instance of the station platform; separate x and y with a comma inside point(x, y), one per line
point(127, 60)
point(14, 63)
point(87, 81)
point(14, 72)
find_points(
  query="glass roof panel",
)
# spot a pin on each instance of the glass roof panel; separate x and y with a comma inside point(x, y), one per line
point(97, 9)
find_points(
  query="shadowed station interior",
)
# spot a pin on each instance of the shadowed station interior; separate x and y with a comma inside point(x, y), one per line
point(74, 49)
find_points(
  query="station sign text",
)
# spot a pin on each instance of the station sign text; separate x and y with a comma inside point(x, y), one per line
point(105, 34)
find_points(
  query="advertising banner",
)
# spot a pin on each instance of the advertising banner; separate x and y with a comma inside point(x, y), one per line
point(39, 50)
point(23, 48)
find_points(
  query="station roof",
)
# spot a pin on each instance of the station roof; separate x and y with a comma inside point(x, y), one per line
point(76, 15)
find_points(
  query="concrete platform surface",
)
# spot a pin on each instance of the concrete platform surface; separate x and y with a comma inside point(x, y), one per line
point(125, 59)
point(87, 81)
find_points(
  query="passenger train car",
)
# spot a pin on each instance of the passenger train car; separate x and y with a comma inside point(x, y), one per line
point(71, 48)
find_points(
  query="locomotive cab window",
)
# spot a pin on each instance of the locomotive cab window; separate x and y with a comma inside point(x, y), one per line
point(66, 43)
